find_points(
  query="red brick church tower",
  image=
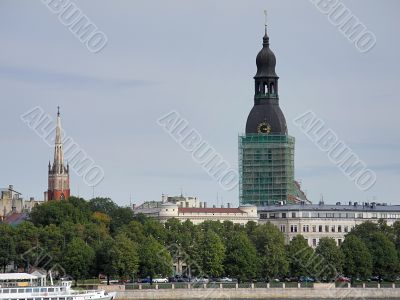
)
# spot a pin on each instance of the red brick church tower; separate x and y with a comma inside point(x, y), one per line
point(58, 172)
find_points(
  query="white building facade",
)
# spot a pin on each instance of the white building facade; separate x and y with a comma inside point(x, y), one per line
point(190, 208)
point(315, 221)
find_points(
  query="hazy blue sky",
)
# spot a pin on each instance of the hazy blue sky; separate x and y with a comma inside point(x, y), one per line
point(196, 57)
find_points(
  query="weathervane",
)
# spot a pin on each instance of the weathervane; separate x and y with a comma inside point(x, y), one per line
point(265, 20)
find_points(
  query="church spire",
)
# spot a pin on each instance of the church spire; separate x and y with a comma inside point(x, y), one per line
point(58, 148)
point(58, 172)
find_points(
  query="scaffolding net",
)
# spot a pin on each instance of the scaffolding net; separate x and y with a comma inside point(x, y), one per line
point(266, 168)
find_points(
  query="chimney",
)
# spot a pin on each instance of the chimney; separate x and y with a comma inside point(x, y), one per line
point(205, 204)
point(201, 204)
point(229, 205)
point(213, 205)
point(187, 204)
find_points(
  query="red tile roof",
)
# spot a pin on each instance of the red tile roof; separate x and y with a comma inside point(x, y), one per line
point(209, 210)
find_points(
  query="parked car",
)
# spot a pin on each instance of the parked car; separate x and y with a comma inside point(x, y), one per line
point(160, 280)
point(226, 279)
point(144, 280)
point(201, 280)
point(306, 279)
point(343, 279)
point(179, 278)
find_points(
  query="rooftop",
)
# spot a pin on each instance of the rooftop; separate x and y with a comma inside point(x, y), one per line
point(332, 207)
point(216, 210)
point(16, 276)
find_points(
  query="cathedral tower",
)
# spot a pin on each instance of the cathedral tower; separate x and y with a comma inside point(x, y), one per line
point(58, 172)
point(266, 151)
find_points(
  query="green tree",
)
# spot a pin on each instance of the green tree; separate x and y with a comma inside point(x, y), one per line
point(241, 259)
point(120, 217)
point(154, 260)
point(270, 245)
point(384, 256)
point(332, 259)
point(7, 245)
point(27, 236)
point(78, 258)
point(103, 205)
point(212, 254)
point(134, 230)
point(104, 258)
point(52, 244)
point(357, 258)
point(301, 257)
point(125, 260)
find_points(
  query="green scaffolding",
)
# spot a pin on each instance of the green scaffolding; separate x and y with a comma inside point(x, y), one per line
point(266, 168)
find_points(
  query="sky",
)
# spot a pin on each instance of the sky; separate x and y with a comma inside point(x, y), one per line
point(196, 58)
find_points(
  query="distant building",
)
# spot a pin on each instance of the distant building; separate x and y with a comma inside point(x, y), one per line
point(266, 150)
point(58, 176)
point(315, 221)
point(13, 208)
point(190, 208)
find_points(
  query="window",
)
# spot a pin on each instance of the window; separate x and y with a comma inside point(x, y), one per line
point(306, 228)
point(346, 228)
point(284, 215)
point(339, 241)
point(326, 228)
point(339, 228)
point(305, 214)
point(13, 291)
point(329, 215)
point(314, 228)
point(272, 215)
point(51, 290)
point(320, 228)
point(21, 291)
point(6, 291)
point(43, 290)
point(333, 228)
point(283, 228)
point(374, 216)
point(29, 290)
point(263, 216)
point(314, 242)
point(293, 215)
point(360, 215)
point(293, 228)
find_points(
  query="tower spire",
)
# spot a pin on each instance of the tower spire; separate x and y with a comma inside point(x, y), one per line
point(265, 20)
point(58, 173)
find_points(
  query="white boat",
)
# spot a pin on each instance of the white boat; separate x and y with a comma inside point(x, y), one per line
point(21, 286)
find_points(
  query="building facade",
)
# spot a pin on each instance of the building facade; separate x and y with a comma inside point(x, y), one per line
point(58, 173)
point(11, 203)
point(266, 151)
point(194, 210)
point(315, 221)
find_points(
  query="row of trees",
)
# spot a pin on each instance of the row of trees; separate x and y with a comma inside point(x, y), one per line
point(86, 238)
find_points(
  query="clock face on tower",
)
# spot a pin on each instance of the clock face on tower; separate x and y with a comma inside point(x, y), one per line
point(264, 127)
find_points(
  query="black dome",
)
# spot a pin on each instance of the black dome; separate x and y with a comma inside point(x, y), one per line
point(266, 99)
point(267, 113)
point(266, 60)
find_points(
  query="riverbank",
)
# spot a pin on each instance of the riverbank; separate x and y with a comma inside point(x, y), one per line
point(323, 291)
